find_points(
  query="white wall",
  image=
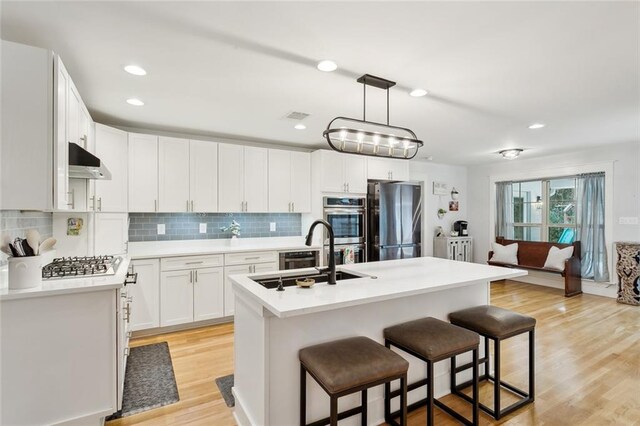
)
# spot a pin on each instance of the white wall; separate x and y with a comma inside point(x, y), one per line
point(626, 188)
point(454, 176)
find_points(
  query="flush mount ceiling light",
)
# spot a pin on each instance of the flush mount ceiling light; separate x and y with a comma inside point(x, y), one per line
point(363, 137)
point(135, 70)
point(327, 65)
point(299, 126)
point(535, 126)
point(135, 102)
point(510, 154)
point(416, 93)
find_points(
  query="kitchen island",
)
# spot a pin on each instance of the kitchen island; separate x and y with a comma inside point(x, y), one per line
point(272, 326)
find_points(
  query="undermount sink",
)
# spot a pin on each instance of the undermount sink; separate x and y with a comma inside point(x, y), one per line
point(290, 280)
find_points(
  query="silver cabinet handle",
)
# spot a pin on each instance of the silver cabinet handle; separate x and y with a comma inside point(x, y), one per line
point(246, 206)
point(155, 205)
point(72, 198)
point(194, 263)
point(129, 334)
point(196, 275)
point(190, 277)
point(293, 206)
point(191, 205)
point(126, 351)
point(100, 204)
point(252, 257)
point(187, 205)
point(391, 174)
point(92, 201)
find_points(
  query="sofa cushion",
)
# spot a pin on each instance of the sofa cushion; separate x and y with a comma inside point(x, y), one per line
point(505, 254)
point(557, 257)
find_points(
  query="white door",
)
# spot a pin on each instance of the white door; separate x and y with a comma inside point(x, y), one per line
point(230, 178)
point(143, 173)
point(378, 168)
point(111, 234)
point(203, 172)
point(112, 149)
point(145, 309)
point(355, 173)
point(256, 179)
point(229, 299)
point(280, 181)
point(84, 130)
point(176, 297)
point(399, 169)
point(300, 182)
point(73, 115)
point(332, 171)
point(61, 146)
point(173, 169)
point(208, 294)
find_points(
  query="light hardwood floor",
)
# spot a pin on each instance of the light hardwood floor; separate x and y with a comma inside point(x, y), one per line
point(587, 365)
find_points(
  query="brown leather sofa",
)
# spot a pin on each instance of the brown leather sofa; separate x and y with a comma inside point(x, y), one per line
point(532, 255)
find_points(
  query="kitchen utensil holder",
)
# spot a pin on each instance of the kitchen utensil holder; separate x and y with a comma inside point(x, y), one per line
point(25, 272)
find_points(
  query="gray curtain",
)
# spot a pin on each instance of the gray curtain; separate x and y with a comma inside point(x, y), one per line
point(590, 222)
point(504, 210)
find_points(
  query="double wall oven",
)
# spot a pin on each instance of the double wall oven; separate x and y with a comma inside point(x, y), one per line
point(347, 216)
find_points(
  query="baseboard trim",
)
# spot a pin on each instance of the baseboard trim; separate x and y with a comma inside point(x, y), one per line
point(180, 327)
point(549, 279)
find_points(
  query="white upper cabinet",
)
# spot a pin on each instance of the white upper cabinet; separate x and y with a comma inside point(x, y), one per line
point(203, 173)
point(112, 149)
point(111, 233)
point(61, 193)
point(387, 169)
point(256, 179)
point(289, 181)
point(173, 167)
point(143, 173)
point(342, 173)
point(231, 178)
point(243, 178)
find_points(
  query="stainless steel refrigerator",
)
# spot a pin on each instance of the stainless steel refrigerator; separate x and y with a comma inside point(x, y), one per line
point(395, 220)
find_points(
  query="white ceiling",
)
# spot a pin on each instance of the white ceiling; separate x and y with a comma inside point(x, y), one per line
point(237, 68)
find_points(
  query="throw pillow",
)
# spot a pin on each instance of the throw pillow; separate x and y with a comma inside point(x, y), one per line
point(505, 254)
point(556, 257)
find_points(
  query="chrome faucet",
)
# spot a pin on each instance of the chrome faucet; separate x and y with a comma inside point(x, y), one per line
point(332, 254)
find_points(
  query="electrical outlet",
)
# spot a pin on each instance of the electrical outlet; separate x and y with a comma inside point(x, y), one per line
point(161, 229)
point(272, 226)
point(628, 220)
point(203, 228)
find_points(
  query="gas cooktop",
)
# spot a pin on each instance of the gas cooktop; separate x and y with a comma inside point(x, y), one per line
point(78, 267)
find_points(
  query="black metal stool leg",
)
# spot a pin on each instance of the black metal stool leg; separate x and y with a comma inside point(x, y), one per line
point(487, 360)
point(387, 393)
point(403, 401)
point(430, 387)
point(303, 395)
point(452, 376)
point(496, 378)
point(363, 415)
point(334, 411)
point(476, 396)
point(532, 365)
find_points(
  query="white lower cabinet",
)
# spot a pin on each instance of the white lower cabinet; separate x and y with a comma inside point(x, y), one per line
point(189, 295)
point(145, 312)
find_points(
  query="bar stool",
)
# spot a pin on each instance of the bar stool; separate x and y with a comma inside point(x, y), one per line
point(346, 366)
point(496, 324)
point(432, 340)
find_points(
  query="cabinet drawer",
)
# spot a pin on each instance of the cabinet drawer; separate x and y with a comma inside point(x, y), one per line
point(250, 257)
point(191, 262)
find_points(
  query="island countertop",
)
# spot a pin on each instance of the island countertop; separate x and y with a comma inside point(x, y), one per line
point(383, 280)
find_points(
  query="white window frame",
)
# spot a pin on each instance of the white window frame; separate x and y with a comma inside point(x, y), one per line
point(539, 174)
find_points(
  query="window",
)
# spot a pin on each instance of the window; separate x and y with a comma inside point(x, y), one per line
point(545, 210)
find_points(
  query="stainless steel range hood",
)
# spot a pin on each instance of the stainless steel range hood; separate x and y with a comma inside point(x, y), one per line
point(85, 165)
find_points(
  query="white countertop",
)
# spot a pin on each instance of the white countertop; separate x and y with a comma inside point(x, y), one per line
point(395, 278)
point(64, 286)
point(153, 249)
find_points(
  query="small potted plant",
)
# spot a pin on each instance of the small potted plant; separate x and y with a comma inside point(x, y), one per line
point(234, 228)
point(441, 213)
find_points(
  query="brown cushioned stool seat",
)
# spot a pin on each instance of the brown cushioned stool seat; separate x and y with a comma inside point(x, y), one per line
point(432, 340)
point(496, 324)
point(493, 321)
point(347, 366)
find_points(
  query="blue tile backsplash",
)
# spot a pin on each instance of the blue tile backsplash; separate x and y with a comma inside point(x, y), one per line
point(185, 226)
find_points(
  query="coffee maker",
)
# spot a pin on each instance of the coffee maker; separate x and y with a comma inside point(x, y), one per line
point(460, 227)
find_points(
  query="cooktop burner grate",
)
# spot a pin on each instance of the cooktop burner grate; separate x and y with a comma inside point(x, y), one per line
point(72, 267)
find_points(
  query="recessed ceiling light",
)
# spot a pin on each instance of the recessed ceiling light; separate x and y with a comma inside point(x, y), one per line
point(510, 154)
point(416, 93)
point(327, 65)
point(135, 102)
point(536, 126)
point(135, 70)
point(299, 126)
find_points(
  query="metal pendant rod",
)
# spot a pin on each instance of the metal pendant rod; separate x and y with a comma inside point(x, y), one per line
point(364, 103)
